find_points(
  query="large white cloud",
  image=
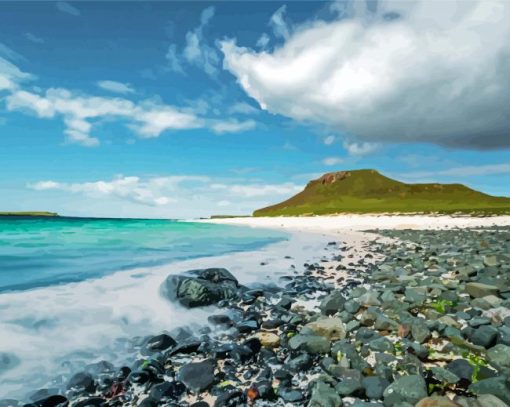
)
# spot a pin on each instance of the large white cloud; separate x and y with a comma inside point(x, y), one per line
point(410, 71)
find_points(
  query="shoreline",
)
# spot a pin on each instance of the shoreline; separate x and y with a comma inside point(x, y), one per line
point(335, 263)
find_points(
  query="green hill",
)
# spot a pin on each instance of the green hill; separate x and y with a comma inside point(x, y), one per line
point(42, 213)
point(368, 191)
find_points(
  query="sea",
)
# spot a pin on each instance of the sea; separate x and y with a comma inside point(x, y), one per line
point(76, 291)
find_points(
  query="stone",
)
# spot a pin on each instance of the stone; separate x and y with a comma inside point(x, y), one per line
point(268, 339)
point(479, 290)
point(349, 387)
point(331, 328)
point(202, 287)
point(332, 303)
point(323, 395)
point(499, 356)
point(489, 400)
point(375, 386)
point(313, 344)
point(381, 345)
point(408, 389)
point(81, 382)
point(160, 342)
point(461, 368)
point(369, 299)
point(437, 401)
point(497, 386)
point(485, 336)
point(444, 375)
point(167, 391)
point(420, 331)
point(197, 376)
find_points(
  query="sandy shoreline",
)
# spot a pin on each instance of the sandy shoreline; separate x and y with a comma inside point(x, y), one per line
point(357, 223)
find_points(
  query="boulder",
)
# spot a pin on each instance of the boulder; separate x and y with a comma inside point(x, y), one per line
point(202, 287)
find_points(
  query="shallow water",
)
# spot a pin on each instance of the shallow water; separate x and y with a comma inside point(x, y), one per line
point(49, 332)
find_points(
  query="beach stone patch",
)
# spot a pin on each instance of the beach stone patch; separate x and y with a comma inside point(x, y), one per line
point(202, 287)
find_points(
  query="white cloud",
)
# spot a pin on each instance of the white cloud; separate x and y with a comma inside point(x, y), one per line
point(243, 108)
point(263, 41)
point(196, 50)
point(81, 112)
point(232, 126)
point(360, 148)
point(329, 140)
point(177, 193)
point(67, 8)
point(278, 23)
point(434, 72)
point(11, 75)
point(34, 38)
point(116, 87)
point(329, 161)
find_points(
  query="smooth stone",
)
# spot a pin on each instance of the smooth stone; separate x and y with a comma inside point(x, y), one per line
point(437, 401)
point(167, 391)
point(461, 368)
point(81, 382)
point(197, 376)
point(348, 387)
point(479, 290)
point(409, 389)
point(375, 386)
point(268, 339)
point(369, 299)
point(331, 328)
point(323, 395)
point(485, 336)
point(497, 386)
point(310, 343)
point(160, 342)
point(499, 355)
point(332, 303)
point(444, 375)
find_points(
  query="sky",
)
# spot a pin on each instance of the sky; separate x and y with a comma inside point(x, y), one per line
point(189, 109)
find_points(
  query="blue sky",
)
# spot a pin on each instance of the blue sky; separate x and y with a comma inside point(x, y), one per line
point(183, 109)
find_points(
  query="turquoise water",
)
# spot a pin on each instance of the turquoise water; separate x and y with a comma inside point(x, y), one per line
point(42, 251)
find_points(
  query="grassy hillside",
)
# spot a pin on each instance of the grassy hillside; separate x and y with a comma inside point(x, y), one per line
point(28, 214)
point(368, 191)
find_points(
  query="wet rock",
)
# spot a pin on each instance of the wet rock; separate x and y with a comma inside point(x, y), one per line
point(201, 287)
point(167, 391)
point(197, 376)
point(55, 400)
point(82, 383)
point(160, 342)
point(406, 389)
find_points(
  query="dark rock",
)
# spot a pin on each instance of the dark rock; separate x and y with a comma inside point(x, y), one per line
point(159, 343)
point(323, 395)
point(90, 402)
point(374, 386)
point(332, 303)
point(81, 382)
point(55, 400)
point(485, 336)
point(313, 344)
point(497, 386)
point(201, 287)
point(349, 387)
point(290, 395)
point(197, 376)
point(461, 368)
point(167, 391)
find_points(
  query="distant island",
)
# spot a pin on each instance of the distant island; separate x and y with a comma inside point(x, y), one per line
point(368, 191)
point(42, 213)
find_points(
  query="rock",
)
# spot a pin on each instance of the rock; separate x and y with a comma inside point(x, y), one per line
point(323, 395)
point(330, 328)
point(497, 386)
point(167, 391)
point(200, 287)
point(479, 290)
point(313, 344)
point(290, 395)
point(408, 389)
point(90, 402)
point(81, 382)
point(420, 331)
point(381, 345)
point(55, 400)
point(444, 375)
point(375, 386)
point(332, 303)
point(485, 336)
point(349, 387)
point(437, 401)
point(352, 306)
point(300, 363)
point(491, 261)
point(499, 356)
point(489, 400)
point(461, 368)
point(223, 321)
point(160, 342)
point(268, 339)
point(197, 376)
point(369, 299)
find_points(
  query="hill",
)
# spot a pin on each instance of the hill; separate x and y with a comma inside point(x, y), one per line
point(42, 213)
point(368, 191)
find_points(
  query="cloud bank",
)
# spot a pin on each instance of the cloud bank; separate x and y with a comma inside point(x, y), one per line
point(422, 71)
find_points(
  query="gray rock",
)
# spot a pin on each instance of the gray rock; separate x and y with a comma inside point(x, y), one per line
point(408, 389)
point(323, 395)
point(478, 290)
point(197, 376)
point(313, 344)
point(349, 387)
point(485, 336)
point(375, 386)
point(81, 382)
point(200, 287)
point(420, 331)
point(499, 356)
point(497, 386)
point(332, 303)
